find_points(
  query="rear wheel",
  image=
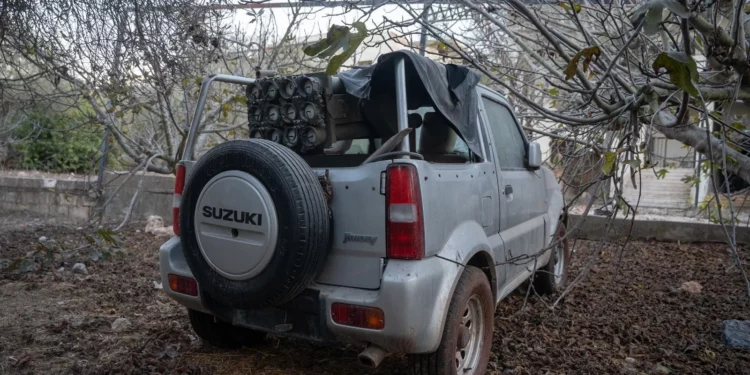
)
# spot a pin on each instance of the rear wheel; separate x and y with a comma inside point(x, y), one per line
point(467, 335)
point(255, 225)
point(552, 277)
point(221, 334)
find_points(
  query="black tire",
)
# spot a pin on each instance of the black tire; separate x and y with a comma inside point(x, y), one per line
point(545, 282)
point(473, 282)
point(221, 334)
point(303, 224)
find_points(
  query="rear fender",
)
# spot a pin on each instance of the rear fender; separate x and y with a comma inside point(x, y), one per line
point(467, 240)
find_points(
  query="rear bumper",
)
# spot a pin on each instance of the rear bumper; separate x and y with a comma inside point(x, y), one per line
point(414, 296)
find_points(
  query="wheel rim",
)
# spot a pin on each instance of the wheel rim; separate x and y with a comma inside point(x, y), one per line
point(236, 225)
point(559, 263)
point(471, 337)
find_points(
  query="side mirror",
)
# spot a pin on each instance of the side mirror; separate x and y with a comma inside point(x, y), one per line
point(535, 155)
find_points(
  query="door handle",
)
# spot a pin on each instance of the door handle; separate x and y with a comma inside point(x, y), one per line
point(508, 190)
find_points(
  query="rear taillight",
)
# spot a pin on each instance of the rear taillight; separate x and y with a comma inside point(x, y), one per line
point(183, 284)
point(404, 224)
point(179, 185)
point(358, 316)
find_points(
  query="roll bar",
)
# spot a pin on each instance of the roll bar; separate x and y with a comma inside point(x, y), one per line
point(401, 107)
point(195, 124)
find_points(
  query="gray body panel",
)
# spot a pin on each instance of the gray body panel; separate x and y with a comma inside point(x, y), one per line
point(467, 214)
point(358, 210)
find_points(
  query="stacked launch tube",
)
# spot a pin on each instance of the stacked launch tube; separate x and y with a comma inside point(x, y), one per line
point(289, 110)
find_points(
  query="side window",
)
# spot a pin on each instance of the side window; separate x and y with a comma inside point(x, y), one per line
point(507, 138)
point(461, 148)
point(358, 147)
point(486, 142)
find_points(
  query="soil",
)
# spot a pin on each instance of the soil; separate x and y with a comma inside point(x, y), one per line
point(626, 316)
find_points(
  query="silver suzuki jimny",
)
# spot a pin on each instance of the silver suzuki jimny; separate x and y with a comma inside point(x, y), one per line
point(391, 206)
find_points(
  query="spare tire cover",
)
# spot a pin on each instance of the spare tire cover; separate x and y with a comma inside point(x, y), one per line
point(255, 226)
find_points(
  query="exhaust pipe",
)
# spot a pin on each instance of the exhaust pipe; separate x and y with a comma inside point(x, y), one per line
point(371, 356)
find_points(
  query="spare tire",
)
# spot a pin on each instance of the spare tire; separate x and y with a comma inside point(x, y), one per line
point(255, 225)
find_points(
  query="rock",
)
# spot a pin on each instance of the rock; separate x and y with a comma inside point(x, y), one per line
point(61, 270)
point(79, 228)
point(80, 268)
point(121, 324)
point(162, 232)
point(661, 369)
point(631, 360)
point(74, 321)
point(692, 287)
point(736, 334)
point(42, 239)
point(137, 231)
point(155, 226)
point(170, 352)
point(154, 222)
point(157, 285)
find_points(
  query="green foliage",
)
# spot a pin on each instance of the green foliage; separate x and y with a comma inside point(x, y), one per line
point(609, 162)
point(699, 40)
point(57, 143)
point(681, 68)
point(622, 203)
point(739, 126)
point(567, 7)
point(588, 55)
point(712, 206)
point(634, 163)
point(104, 245)
point(338, 37)
point(707, 165)
point(45, 255)
point(693, 181)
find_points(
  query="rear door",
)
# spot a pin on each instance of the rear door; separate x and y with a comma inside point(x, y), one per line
point(522, 195)
point(358, 210)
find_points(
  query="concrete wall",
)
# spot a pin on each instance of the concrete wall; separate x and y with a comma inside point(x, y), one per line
point(67, 199)
point(62, 200)
point(594, 227)
point(154, 196)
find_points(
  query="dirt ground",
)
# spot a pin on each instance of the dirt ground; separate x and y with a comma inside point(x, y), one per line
point(627, 316)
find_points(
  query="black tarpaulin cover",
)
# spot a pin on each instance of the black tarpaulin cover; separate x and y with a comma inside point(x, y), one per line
point(451, 88)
